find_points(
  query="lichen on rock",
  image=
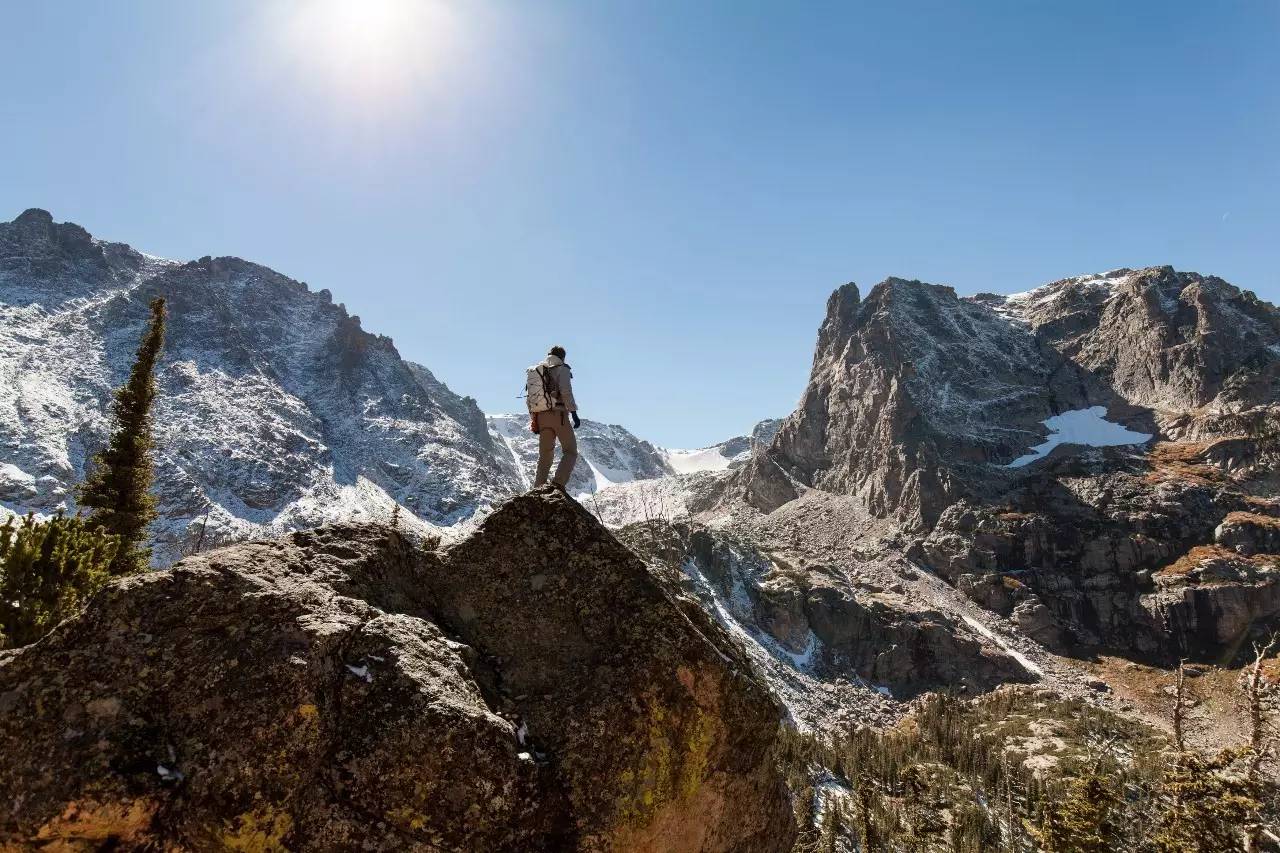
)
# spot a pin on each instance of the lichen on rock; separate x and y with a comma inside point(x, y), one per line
point(342, 689)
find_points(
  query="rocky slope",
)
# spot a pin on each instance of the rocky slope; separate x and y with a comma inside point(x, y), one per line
point(610, 455)
point(607, 453)
point(276, 409)
point(972, 491)
point(1018, 438)
point(340, 689)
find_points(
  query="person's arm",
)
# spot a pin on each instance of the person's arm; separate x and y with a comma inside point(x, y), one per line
point(564, 380)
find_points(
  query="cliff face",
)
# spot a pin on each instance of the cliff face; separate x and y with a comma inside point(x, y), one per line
point(917, 397)
point(913, 391)
point(944, 415)
point(533, 687)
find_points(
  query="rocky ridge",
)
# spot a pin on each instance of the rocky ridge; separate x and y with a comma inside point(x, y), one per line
point(340, 688)
point(921, 406)
point(276, 409)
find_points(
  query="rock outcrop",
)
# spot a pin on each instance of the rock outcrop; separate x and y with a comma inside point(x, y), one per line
point(532, 687)
point(913, 393)
point(918, 397)
point(822, 622)
point(1089, 539)
point(922, 406)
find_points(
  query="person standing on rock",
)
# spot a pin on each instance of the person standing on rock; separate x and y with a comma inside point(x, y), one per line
point(549, 396)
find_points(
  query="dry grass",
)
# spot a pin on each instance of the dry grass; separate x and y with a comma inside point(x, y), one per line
point(1200, 554)
point(1012, 515)
point(1218, 716)
point(1189, 561)
point(1182, 460)
point(1253, 518)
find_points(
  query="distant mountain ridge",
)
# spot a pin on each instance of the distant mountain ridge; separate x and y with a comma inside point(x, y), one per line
point(611, 455)
point(276, 411)
point(917, 396)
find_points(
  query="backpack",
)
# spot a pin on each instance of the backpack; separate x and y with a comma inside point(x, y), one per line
point(540, 389)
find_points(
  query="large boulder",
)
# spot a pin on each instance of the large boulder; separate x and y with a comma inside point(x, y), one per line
point(1249, 533)
point(531, 688)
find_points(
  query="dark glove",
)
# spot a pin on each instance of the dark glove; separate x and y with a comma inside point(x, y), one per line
point(533, 424)
point(576, 423)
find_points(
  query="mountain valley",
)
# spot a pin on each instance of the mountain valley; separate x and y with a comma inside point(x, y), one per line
point(1055, 497)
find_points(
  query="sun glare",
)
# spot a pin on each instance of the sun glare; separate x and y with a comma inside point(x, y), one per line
point(375, 51)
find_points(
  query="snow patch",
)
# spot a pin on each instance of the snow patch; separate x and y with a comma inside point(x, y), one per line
point(693, 461)
point(1026, 662)
point(756, 643)
point(1081, 426)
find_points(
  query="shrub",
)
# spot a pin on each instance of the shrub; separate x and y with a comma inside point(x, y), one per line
point(48, 569)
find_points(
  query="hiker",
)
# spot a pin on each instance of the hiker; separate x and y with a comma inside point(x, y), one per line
point(549, 396)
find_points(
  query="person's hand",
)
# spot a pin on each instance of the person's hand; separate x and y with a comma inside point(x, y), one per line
point(576, 422)
point(533, 424)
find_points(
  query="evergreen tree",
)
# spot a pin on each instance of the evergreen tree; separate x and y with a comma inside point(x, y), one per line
point(1083, 821)
point(1208, 805)
point(829, 839)
point(48, 570)
point(865, 802)
point(972, 830)
point(118, 489)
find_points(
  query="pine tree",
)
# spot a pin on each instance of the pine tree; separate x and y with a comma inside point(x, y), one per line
point(829, 839)
point(118, 489)
point(48, 570)
point(1208, 805)
point(1083, 821)
point(865, 797)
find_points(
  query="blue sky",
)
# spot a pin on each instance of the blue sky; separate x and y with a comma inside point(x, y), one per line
point(669, 189)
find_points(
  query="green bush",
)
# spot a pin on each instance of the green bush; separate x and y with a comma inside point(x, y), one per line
point(48, 570)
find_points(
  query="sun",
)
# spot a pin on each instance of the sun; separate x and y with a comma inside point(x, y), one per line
point(368, 50)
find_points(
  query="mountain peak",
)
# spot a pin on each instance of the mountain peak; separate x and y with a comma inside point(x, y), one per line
point(34, 216)
point(256, 367)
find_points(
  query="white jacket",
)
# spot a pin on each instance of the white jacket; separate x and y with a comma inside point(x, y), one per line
point(562, 374)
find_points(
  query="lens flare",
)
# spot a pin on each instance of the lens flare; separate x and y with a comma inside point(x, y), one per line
point(370, 51)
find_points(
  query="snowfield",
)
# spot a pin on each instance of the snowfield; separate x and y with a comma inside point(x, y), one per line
point(1088, 427)
point(693, 461)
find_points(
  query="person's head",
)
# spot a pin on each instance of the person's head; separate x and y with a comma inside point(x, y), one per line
point(557, 351)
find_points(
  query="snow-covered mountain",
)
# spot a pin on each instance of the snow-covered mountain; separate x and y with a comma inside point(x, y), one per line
point(277, 410)
point(610, 455)
point(919, 397)
point(1077, 458)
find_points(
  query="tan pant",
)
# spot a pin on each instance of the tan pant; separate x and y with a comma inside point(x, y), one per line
point(552, 425)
